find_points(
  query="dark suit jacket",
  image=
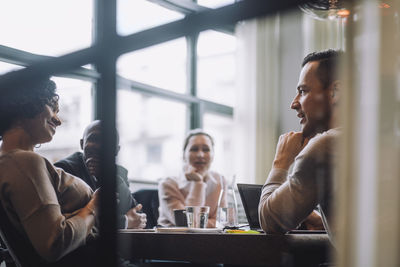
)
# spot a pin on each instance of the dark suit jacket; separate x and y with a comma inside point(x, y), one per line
point(75, 165)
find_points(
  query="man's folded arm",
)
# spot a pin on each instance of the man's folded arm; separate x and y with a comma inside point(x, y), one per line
point(286, 202)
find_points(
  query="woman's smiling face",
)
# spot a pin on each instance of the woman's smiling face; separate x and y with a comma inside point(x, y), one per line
point(43, 126)
point(199, 153)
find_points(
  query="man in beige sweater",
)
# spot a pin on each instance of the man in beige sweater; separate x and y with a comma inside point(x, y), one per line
point(287, 200)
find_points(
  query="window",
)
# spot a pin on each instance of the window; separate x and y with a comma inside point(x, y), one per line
point(154, 111)
point(51, 28)
point(46, 27)
point(215, 3)
point(216, 67)
point(154, 152)
point(158, 98)
point(221, 129)
point(6, 67)
point(163, 65)
point(151, 133)
point(138, 15)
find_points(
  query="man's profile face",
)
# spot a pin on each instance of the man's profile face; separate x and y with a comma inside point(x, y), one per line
point(312, 101)
point(91, 150)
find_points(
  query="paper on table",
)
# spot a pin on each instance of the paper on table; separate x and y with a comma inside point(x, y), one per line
point(236, 231)
point(187, 230)
point(205, 230)
point(172, 229)
point(136, 230)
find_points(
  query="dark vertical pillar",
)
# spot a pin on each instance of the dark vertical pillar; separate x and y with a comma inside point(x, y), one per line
point(105, 34)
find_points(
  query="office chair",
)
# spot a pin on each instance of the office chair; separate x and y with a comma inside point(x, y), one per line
point(20, 249)
point(25, 255)
point(5, 255)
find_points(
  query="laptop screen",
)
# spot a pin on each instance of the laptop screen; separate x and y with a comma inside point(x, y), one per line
point(250, 196)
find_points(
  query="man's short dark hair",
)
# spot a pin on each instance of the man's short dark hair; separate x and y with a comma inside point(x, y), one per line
point(328, 64)
point(25, 101)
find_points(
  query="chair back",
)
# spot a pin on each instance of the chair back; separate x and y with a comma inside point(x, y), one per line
point(149, 199)
point(4, 254)
point(20, 249)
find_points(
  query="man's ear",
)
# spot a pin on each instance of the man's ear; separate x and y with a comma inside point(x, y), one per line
point(81, 143)
point(335, 91)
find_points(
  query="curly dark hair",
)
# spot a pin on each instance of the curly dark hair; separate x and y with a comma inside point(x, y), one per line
point(328, 64)
point(25, 101)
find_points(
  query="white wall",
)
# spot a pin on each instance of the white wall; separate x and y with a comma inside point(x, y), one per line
point(291, 56)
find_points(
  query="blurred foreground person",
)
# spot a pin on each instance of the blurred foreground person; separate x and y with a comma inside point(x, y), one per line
point(196, 185)
point(287, 200)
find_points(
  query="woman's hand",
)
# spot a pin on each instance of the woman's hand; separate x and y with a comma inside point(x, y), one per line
point(136, 220)
point(193, 175)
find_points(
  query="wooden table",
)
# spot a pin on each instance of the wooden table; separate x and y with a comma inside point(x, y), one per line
point(236, 249)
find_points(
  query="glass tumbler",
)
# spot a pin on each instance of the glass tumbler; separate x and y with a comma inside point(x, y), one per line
point(197, 216)
point(227, 208)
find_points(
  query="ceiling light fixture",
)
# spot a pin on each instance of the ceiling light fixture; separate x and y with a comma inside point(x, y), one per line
point(326, 9)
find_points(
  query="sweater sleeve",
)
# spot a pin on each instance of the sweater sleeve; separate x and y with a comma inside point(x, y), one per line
point(170, 198)
point(285, 203)
point(35, 200)
point(197, 194)
point(63, 165)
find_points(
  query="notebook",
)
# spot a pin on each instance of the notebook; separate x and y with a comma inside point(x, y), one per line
point(250, 196)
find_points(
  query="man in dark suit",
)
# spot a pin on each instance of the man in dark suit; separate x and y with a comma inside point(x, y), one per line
point(86, 166)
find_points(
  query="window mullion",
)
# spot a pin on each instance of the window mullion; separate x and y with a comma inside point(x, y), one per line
point(196, 109)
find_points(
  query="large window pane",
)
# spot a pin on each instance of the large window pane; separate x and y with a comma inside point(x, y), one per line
point(138, 15)
point(75, 114)
point(46, 27)
point(7, 67)
point(215, 3)
point(216, 67)
point(151, 135)
point(163, 65)
point(221, 129)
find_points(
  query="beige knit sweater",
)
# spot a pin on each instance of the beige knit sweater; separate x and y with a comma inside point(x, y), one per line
point(287, 200)
point(41, 201)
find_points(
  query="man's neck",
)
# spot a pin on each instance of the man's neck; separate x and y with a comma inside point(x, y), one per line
point(334, 121)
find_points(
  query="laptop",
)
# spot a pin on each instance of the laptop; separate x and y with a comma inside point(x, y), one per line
point(250, 195)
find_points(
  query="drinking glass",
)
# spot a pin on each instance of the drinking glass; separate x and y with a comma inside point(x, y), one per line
point(227, 207)
point(197, 216)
